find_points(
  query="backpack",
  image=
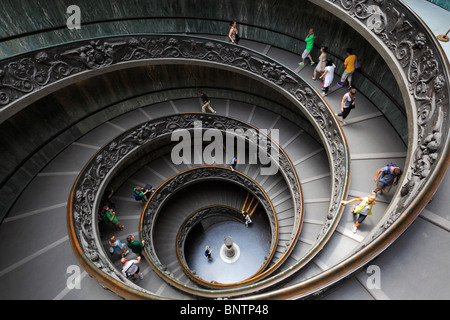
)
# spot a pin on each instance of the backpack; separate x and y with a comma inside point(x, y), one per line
point(392, 165)
point(130, 275)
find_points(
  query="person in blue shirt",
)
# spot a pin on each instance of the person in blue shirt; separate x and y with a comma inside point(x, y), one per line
point(386, 177)
point(208, 252)
point(233, 164)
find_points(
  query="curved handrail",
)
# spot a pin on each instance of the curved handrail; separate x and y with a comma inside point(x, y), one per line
point(194, 219)
point(104, 162)
point(125, 52)
point(216, 19)
point(424, 77)
point(193, 176)
point(430, 145)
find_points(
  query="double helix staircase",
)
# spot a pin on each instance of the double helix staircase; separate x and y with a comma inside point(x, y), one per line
point(42, 256)
point(306, 154)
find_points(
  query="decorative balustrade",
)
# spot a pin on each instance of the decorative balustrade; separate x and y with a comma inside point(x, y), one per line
point(83, 206)
point(422, 71)
point(199, 175)
point(414, 55)
point(31, 76)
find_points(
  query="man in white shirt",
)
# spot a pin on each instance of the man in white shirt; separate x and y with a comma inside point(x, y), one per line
point(131, 269)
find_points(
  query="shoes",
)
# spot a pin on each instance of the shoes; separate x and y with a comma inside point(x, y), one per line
point(215, 112)
point(313, 78)
point(340, 84)
point(349, 87)
point(141, 276)
point(354, 229)
point(301, 63)
point(312, 62)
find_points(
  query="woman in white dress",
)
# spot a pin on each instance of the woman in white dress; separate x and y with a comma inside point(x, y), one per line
point(327, 75)
point(321, 64)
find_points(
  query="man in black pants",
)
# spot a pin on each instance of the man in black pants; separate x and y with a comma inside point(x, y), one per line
point(347, 104)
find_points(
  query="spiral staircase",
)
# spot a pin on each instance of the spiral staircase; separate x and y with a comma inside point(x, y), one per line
point(308, 249)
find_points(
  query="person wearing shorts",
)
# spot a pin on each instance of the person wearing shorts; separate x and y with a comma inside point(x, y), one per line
point(309, 46)
point(363, 208)
point(349, 65)
point(386, 177)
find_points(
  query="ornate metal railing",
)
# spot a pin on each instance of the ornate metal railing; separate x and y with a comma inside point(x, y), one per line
point(193, 176)
point(422, 71)
point(224, 213)
point(84, 203)
point(28, 77)
point(414, 56)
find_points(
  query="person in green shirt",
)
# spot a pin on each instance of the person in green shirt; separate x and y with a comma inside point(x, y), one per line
point(135, 246)
point(141, 193)
point(309, 45)
point(109, 216)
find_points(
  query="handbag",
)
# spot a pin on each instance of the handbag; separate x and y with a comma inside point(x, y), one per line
point(357, 65)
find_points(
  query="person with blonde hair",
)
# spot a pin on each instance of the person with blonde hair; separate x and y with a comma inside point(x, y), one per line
point(363, 208)
point(117, 245)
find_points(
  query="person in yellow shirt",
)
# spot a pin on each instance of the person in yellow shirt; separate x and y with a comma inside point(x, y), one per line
point(349, 65)
point(363, 208)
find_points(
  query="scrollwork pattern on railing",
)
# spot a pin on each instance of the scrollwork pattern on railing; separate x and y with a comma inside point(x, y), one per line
point(91, 181)
point(101, 53)
point(40, 72)
point(198, 175)
point(57, 63)
point(210, 212)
